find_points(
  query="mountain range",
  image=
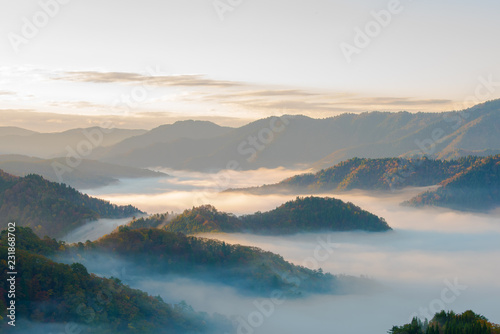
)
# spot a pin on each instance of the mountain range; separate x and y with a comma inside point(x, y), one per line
point(468, 183)
point(300, 141)
point(287, 141)
point(15, 140)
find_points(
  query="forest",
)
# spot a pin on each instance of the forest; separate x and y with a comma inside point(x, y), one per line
point(449, 323)
point(370, 174)
point(51, 208)
point(249, 269)
point(476, 188)
point(47, 292)
point(468, 183)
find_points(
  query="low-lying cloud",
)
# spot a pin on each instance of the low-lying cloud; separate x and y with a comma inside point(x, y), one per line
point(433, 259)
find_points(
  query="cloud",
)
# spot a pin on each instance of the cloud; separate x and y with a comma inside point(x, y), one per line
point(264, 93)
point(6, 92)
point(77, 105)
point(186, 80)
point(412, 263)
point(399, 101)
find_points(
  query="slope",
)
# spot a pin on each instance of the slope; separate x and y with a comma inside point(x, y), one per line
point(290, 141)
point(50, 208)
point(477, 188)
point(302, 215)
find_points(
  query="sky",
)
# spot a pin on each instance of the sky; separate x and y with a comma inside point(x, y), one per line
point(68, 63)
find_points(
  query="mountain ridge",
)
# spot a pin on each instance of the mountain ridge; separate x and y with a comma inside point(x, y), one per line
point(293, 140)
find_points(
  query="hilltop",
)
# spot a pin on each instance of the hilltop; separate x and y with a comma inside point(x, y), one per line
point(302, 215)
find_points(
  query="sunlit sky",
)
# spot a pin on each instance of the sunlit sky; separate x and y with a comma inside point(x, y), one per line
point(150, 62)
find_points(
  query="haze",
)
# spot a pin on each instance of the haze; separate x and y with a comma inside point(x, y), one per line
point(410, 265)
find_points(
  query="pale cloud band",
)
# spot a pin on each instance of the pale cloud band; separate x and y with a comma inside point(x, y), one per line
point(90, 96)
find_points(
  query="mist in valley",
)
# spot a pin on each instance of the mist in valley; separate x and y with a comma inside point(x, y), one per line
point(433, 258)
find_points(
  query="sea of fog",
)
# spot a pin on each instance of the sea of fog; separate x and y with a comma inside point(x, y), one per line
point(433, 259)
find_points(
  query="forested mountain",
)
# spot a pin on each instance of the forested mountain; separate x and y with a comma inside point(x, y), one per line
point(449, 323)
point(369, 174)
point(309, 214)
point(250, 269)
point(50, 292)
point(476, 188)
point(51, 208)
point(51, 145)
point(298, 140)
point(313, 214)
point(87, 174)
point(287, 141)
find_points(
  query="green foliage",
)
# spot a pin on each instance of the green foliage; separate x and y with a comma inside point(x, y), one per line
point(27, 240)
point(476, 188)
point(51, 208)
point(308, 214)
point(50, 292)
point(449, 323)
point(312, 214)
point(250, 269)
point(204, 218)
point(153, 221)
point(370, 174)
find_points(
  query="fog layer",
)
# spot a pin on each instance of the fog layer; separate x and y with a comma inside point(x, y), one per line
point(433, 259)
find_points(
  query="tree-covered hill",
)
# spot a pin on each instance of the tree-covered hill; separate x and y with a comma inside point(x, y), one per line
point(476, 188)
point(313, 214)
point(249, 269)
point(308, 214)
point(50, 292)
point(369, 174)
point(449, 323)
point(205, 218)
point(51, 208)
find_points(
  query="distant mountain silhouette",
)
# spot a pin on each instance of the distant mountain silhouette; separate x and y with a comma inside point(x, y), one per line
point(87, 174)
point(194, 130)
point(15, 131)
point(293, 141)
point(50, 145)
